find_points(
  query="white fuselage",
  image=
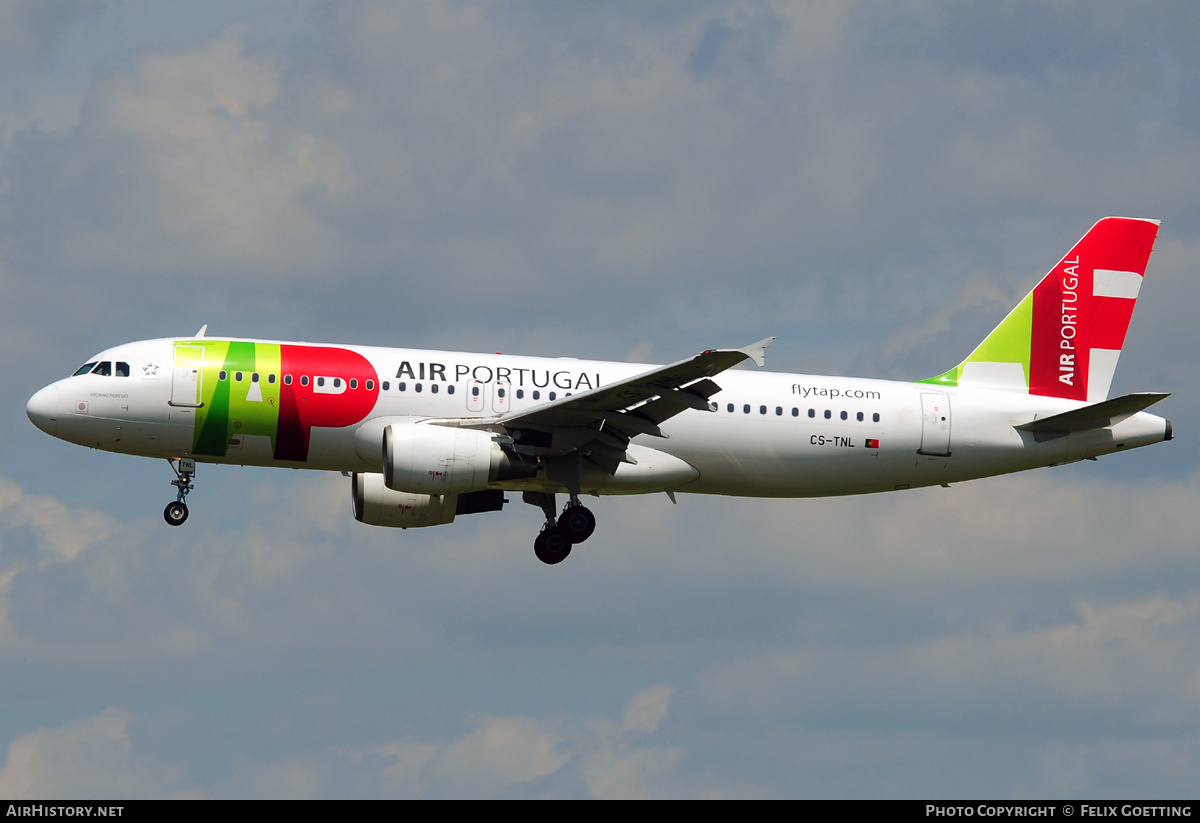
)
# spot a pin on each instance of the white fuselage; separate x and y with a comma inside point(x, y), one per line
point(767, 435)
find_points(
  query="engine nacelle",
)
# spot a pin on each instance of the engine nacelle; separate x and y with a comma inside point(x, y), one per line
point(377, 505)
point(441, 460)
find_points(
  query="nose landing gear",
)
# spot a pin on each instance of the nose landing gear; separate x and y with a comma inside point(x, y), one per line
point(177, 512)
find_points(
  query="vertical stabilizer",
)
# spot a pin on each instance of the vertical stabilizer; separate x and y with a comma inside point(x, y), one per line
point(1064, 338)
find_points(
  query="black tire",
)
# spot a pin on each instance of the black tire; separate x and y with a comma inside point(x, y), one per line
point(578, 523)
point(552, 546)
point(175, 513)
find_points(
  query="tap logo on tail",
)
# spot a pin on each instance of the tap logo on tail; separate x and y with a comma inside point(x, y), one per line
point(1064, 338)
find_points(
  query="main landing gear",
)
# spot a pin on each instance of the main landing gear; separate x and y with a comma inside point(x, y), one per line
point(177, 512)
point(558, 535)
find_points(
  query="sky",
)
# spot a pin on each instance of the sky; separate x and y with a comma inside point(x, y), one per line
point(874, 183)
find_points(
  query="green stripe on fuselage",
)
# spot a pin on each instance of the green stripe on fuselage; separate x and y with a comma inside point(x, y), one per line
point(232, 406)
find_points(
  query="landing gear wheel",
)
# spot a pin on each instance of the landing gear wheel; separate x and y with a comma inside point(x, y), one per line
point(552, 546)
point(577, 522)
point(185, 469)
point(175, 513)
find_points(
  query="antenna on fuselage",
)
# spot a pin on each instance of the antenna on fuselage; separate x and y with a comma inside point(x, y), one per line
point(203, 329)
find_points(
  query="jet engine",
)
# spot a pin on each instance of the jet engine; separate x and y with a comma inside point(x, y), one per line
point(440, 460)
point(377, 505)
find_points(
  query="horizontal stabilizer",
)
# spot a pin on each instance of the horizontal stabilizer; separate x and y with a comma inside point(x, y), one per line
point(1096, 416)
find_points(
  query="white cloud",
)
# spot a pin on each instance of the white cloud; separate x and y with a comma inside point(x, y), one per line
point(94, 757)
point(497, 756)
point(198, 169)
point(58, 533)
point(554, 756)
point(29, 28)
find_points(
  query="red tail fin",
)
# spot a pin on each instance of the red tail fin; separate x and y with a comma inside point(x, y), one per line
point(1081, 309)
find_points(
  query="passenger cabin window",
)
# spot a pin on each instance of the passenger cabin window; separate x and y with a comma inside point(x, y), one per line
point(287, 380)
point(304, 380)
point(449, 390)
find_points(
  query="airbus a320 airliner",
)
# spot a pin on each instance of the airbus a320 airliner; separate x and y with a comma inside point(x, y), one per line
point(429, 435)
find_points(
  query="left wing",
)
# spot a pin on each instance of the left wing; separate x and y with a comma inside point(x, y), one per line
point(600, 422)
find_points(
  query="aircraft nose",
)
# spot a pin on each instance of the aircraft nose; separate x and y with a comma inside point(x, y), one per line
point(42, 409)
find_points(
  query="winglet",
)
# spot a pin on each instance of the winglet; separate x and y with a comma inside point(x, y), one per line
point(758, 351)
point(203, 329)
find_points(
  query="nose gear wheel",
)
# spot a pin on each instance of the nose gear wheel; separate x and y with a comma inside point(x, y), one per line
point(177, 512)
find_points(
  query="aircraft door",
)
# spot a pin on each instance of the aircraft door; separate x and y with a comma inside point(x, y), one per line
point(935, 424)
point(476, 396)
point(500, 396)
point(186, 377)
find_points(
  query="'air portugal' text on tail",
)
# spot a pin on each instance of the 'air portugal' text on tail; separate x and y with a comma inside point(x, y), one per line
point(1064, 338)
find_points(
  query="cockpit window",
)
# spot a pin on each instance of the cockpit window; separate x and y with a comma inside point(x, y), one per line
point(103, 368)
point(122, 369)
point(84, 369)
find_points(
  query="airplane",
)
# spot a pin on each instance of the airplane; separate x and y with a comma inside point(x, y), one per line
point(426, 436)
